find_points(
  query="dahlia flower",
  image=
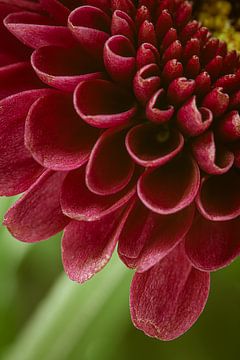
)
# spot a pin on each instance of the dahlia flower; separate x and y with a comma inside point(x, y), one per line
point(120, 123)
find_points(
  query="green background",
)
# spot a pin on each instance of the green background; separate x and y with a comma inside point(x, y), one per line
point(45, 316)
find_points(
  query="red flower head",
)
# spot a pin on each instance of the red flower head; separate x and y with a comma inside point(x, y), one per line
point(120, 122)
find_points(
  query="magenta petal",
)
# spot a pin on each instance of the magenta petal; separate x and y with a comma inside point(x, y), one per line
point(211, 158)
point(16, 78)
point(81, 204)
point(219, 197)
point(64, 70)
point(147, 237)
point(171, 187)
point(144, 144)
point(88, 246)
point(119, 58)
point(57, 138)
point(109, 168)
point(166, 300)
point(211, 245)
point(18, 170)
point(103, 104)
point(122, 24)
point(36, 30)
point(91, 27)
point(37, 214)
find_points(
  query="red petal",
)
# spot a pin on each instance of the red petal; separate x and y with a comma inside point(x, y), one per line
point(166, 300)
point(18, 170)
point(171, 187)
point(146, 82)
point(211, 245)
point(81, 204)
point(37, 214)
point(219, 197)
point(88, 246)
point(109, 168)
point(119, 59)
point(64, 70)
point(211, 158)
point(57, 138)
point(36, 30)
point(146, 237)
point(91, 27)
point(144, 144)
point(103, 104)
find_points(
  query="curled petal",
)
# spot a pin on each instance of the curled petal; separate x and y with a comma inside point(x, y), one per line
point(174, 51)
point(81, 204)
point(147, 54)
point(166, 300)
point(103, 104)
point(211, 245)
point(119, 58)
point(146, 238)
point(64, 70)
point(126, 6)
point(122, 24)
point(216, 101)
point(152, 146)
point(18, 170)
point(203, 83)
point(193, 120)
point(211, 158)
point(157, 109)
point(16, 78)
point(57, 138)
point(146, 82)
point(219, 198)
point(37, 214)
point(171, 187)
point(164, 23)
point(180, 90)
point(229, 83)
point(229, 127)
point(36, 30)
point(109, 168)
point(88, 246)
point(91, 27)
point(173, 69)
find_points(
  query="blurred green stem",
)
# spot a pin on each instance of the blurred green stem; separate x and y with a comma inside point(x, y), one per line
point(65, 316)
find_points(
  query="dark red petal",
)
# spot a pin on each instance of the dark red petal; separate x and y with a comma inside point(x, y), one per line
point(166, 300)
point(147, 145)
point(122, 24)
point(193, 120)
point(211, 157)
point(81, 204)
point(109, 168)
point(211, 245)
point(219, 198)
point(103, 104)
point(91, 27)
point(180, 90)
point(16, 78)
point(146, 237)
point(216, 101)
point(158, 110)
point(57, 138)
point(146, 82)
point(18, 170)
point(37, 214)
point(119, 59)
point(171, 187)
point(229, 127)
point(87, 246)
point(56, 10)
point(35, 30)
point(64, 69)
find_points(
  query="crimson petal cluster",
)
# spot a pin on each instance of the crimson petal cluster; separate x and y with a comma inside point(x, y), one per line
point(120, 123)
